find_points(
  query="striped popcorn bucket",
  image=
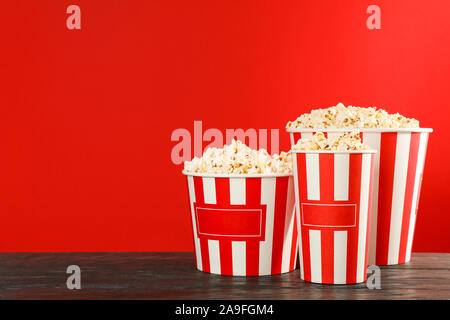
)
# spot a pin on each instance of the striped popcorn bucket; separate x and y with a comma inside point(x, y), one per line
point(243, 225)
point(398, 171)
point(332, 190)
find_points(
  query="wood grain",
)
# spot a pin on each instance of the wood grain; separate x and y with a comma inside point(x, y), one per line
point(173, 276)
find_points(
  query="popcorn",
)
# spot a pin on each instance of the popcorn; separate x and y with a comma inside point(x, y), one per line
point(237, 158)
point(344, 142)
point(340, 116)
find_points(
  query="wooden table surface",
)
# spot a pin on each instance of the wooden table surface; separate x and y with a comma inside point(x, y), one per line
point(173, 276)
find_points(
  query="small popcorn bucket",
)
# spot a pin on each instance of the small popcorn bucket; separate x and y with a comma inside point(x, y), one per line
point(333, 204)
point(398, 171)
point(243, 225)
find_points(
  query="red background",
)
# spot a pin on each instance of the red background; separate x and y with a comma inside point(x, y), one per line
point(86, 116)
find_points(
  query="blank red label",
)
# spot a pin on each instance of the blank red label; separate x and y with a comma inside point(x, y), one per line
point(234, 222)
point(328, 215)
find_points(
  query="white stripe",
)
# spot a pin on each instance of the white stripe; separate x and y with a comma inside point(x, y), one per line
point(291, 136)
point(265, 247)
point(237, 196)
point(412, 224)
point(299, 253)
point(209, 190)
point(304, 135)
point(209, 194)
point(373, 139)
point(237, 190)
point(316, 255)
point(297, 213)
point(312, 176)
point(363, 212)
point(198, 253)
point(239, 258)
point(288, 227)
point(398, 195)
point(341, 172)
point(340, 257)
point(214, 256)
point(416, 192)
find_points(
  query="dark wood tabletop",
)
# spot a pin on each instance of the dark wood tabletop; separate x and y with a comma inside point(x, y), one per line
point(173, 276)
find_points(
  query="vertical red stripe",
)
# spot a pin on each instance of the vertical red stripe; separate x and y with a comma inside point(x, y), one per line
point(301, 170)
point(297, 136)
point(198, 187)
point(386, 185)
point(354, 196)
point(200, 199)
point(226, 259)
point(409, 190)
point(281, 187)
point(190, 221)
point(293, 245)
point(205, 254)
point(225, 248)
point(326, 176)
point(425, 136)
point(222, 191)
point(420, 183)
point(306, 254)
point(252, 262)
point(327, 246)
point(252, 196)
point(369, 213)
point(253, 191)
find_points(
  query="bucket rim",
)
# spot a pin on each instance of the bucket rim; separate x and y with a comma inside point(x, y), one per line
point(237, 175)
point(335, 151)
point(294, 130)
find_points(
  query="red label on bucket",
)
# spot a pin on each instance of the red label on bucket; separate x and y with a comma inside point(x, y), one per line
point(328, 215)
point(233, 222)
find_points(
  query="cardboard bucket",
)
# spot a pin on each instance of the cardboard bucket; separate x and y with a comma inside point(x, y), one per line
point(243, 225)
point(398, 171)
point(333, 204)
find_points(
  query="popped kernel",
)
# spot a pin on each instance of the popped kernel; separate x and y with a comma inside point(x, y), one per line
point(340, 116)
point(341, 142)
point(237, 158)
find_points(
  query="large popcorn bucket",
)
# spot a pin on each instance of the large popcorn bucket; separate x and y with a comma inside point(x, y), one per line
point(243, 225)
point(333, 204)
point(398, 171)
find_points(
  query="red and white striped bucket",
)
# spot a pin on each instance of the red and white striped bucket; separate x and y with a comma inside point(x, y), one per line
point(243, 225)
point(332, 191)
point(398, 171)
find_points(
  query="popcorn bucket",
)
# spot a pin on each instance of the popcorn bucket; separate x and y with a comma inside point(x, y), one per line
point(243, 225)
point(333, 204)
point(398, 171)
